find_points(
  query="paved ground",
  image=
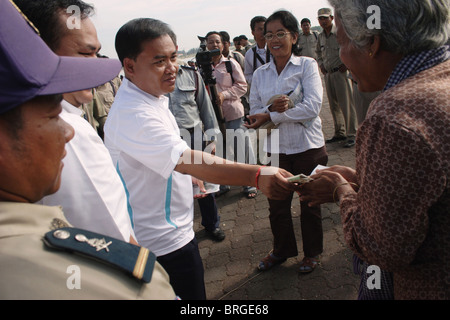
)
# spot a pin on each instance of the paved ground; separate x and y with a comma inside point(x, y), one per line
point(230, 265)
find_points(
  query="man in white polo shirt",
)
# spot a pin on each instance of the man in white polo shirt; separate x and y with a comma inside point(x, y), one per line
point(154, 162)
point(91, 192)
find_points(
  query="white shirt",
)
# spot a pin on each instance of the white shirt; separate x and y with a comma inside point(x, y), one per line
point(91, 192)
point(144, 141)
point(249, 59)
point(300, 128)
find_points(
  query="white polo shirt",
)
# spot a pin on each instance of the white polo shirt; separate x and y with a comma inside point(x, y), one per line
point(91, 192)
point(145, 144)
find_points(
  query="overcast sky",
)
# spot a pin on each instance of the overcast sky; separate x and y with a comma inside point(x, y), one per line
point(194, 17)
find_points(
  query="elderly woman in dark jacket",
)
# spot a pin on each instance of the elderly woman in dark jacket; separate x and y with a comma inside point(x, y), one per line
point(395, 206)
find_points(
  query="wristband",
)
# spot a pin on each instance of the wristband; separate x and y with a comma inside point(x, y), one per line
point(257, 176)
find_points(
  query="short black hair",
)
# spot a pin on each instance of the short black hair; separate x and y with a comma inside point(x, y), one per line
point(290, 22)
point(46, 16)
point(225, 36)
point(215, 32)
point(133, 34)
point(256, 20)
point(305, 20)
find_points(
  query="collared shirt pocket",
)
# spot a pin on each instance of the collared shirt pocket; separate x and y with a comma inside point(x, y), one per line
point(186, 94)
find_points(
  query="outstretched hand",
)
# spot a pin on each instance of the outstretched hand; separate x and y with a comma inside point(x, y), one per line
point(274, 184)
point(321, 189)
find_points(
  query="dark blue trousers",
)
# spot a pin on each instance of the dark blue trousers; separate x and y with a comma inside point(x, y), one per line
point(207, 205)
point(185, 269)
point(208, 210)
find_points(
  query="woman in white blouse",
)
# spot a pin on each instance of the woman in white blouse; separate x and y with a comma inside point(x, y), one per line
point(288, 91)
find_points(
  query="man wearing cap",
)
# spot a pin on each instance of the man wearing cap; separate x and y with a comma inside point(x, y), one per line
point(91, 192)
point(37, 245)
point(337, 82)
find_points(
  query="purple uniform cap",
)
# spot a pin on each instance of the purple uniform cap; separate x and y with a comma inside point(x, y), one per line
point(28, 68)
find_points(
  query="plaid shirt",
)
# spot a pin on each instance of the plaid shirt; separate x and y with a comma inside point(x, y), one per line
point(415, 63)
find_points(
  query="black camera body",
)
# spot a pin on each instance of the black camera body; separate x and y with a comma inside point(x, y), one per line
point(205, 57)
point(204, 61)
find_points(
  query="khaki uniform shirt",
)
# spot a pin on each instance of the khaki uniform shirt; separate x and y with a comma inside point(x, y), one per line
point(96, 111)
point(328, 50)
point(32, 270)
point(107, 92)
point(308, 43)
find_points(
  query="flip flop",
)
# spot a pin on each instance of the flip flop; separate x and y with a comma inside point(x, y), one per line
point(269, 262)
point(250, 192)
point(309, 264)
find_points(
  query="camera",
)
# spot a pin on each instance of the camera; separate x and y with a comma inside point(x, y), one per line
point(204, 61)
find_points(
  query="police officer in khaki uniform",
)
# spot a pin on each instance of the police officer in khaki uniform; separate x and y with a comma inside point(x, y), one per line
point(41, 256)
point(338, 84)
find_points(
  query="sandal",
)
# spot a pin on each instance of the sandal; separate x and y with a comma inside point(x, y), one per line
point(309, 264)
point(250, 192)
point(269, 262)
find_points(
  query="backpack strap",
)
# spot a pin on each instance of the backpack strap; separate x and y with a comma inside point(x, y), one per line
point(113, 88)
point(229, 69)
point(257, 56)
point(315, 34)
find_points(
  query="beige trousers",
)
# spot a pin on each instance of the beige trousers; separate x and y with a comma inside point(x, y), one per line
point(340, 96)
point(362, 102)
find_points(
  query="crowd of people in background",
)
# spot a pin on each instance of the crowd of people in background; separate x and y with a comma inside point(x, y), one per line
point(137, 147)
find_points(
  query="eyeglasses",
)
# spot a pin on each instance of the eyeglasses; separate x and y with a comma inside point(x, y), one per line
point(280, 35)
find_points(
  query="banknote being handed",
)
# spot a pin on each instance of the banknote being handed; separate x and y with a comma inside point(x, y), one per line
point(302, 178)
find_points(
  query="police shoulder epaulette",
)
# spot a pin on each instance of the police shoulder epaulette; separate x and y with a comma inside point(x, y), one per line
point(134, 260)
point(188, 67)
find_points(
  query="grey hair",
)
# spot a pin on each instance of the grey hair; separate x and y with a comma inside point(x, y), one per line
point(407, 26)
